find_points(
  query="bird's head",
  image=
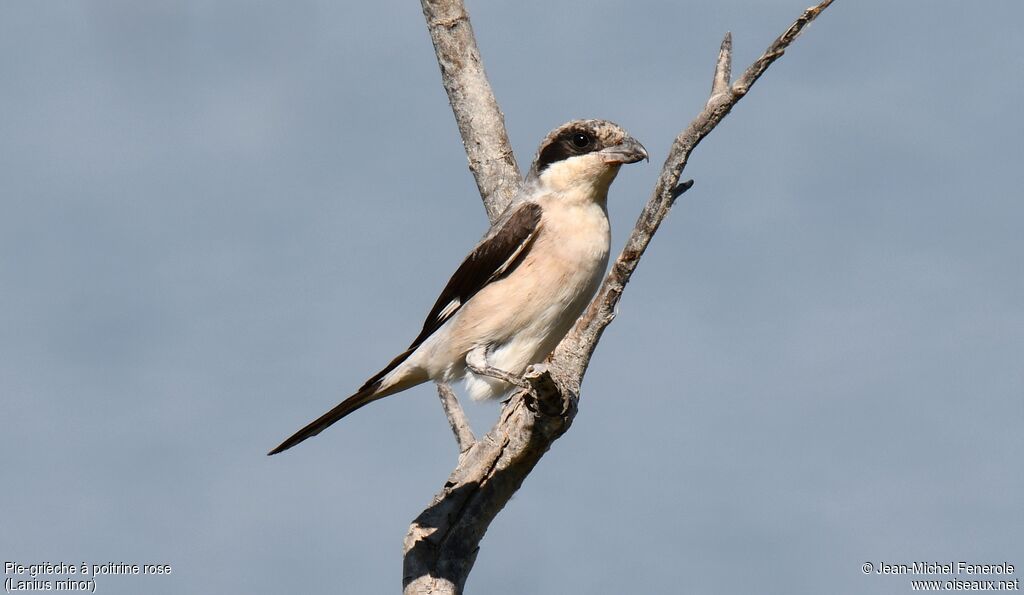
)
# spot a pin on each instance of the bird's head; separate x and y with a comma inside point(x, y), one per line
point(583, 155)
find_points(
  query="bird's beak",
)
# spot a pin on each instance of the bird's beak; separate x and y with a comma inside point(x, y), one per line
point(628, 151)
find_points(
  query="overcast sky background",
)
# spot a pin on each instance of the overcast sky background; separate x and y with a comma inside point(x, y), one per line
point(218, 218)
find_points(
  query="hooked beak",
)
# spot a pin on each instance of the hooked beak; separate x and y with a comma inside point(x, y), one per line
point(628, 151)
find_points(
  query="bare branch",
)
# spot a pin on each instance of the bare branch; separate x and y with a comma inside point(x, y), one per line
point(456, 417)
point(442, 543)
point(572, 355)
point(480, 121)
point(777, 48)
point(723, 69)
point(680, 189)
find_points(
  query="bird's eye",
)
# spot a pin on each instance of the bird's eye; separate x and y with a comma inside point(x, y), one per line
point(581, 140)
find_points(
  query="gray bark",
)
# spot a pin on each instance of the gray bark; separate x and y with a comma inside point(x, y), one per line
point(443, 541)
point(456, 418)
point(480, 121)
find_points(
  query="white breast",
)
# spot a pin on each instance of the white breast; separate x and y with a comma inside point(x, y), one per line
point(529, 311)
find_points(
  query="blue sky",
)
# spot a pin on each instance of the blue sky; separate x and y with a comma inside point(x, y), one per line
point(217, 219)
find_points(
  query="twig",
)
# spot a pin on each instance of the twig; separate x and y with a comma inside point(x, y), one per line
point(480, 121)
point(456, 417)
point(443, 541)
point(723, 69)
point(776, 49)
point(572, 356)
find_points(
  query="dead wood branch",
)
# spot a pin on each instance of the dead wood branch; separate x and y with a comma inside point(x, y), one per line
point(480, 121)
point(443, 541)
point(456, 417)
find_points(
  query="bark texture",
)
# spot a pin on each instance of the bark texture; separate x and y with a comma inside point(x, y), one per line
point(456, 417)
point(480, 121)
point(443, 541)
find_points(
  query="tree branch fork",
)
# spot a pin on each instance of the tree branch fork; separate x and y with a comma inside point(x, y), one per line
point(442, 543)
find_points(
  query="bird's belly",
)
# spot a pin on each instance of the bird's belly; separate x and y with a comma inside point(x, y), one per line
point(522, 317)
point(538, 302)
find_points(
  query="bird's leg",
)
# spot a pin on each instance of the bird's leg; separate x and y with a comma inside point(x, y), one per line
point(476, 362)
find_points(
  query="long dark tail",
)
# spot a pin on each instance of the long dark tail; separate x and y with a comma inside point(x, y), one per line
point(368, 393)
point(324, 421)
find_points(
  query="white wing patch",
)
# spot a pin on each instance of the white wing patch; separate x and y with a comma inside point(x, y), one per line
point(519, 250)
point(449, 309)
point(496, 254)
point(453, 306)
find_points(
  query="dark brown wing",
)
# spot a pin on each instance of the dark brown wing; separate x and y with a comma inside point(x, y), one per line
point(496, 254)
point(493, 257)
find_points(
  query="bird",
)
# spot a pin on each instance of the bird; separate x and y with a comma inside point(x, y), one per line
point(524, 284)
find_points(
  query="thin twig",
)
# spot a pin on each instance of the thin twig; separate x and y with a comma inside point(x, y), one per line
point(456, 417)
point(572, 356)
point(776, 49)
point(723, 69)
point(480, 121)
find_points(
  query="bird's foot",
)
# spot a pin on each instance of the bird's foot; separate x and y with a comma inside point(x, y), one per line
point(492, 372)
point(476, 362)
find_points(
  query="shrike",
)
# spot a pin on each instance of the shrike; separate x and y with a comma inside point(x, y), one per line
point(524, 284)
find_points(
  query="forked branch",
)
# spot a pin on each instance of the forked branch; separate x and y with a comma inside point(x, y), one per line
point(443, 541)
point(573, 354)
